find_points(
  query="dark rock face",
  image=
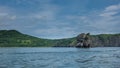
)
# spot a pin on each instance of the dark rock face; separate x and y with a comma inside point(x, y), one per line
point(102, 40)
point(83, 40)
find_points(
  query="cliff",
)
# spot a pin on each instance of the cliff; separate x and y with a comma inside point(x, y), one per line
point(83, 40)
point(102, 40)
point(105, 40)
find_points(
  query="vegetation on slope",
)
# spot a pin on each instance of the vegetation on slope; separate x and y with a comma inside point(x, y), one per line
point(13, 38)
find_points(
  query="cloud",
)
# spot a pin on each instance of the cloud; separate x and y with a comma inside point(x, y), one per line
point(44, 15)
point(111, 10)
point(108, 14)
point(4, 13)
point(97, 22)
point(106, 21)
point(55, 32)
point(48, 19)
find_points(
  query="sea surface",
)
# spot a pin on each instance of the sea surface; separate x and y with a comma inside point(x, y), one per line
point(35, 57)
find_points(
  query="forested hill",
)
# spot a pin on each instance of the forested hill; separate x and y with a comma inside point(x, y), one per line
point(105, 40)
point(13, 38)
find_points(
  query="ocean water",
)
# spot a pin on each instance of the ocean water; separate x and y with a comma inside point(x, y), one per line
point(20, 57)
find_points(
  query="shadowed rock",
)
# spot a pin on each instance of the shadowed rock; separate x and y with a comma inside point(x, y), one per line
point(83, 40)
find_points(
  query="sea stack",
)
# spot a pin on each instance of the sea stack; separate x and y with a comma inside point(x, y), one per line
point(83, 40)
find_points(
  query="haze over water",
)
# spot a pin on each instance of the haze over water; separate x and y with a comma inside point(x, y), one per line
point(107, 57)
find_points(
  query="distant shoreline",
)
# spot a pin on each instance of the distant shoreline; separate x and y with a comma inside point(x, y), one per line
point(13, 38)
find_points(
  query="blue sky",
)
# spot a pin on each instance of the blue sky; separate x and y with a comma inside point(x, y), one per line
point(55, 19)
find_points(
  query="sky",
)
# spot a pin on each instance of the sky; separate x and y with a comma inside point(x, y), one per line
point(55, 19)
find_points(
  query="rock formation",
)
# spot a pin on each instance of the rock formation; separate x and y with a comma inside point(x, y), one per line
point(101, 40)
point(83, 40)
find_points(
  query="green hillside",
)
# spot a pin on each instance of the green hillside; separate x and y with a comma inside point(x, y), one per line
point(13, 38)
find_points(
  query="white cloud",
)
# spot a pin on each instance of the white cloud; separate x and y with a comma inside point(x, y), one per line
point(44, 15)
point(111, 10)
point(13, 17)
point(104, 21)
point(7, 16)
point(7, 13)
point(3, 14)
point(55, 32)
point(107, 20)
point(112, 7)
point(108, 14)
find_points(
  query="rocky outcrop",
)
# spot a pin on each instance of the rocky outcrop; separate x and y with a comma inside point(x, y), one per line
point(83, 40)
point(102, 40)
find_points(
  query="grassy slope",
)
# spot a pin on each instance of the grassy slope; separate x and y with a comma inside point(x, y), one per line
point(10, 38)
